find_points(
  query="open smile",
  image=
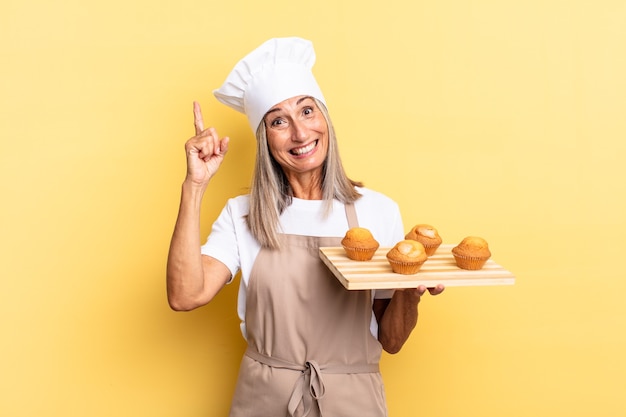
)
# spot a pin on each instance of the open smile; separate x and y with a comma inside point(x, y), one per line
point(305, 149)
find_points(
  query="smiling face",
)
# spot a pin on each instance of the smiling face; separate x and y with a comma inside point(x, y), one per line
point(297, 135)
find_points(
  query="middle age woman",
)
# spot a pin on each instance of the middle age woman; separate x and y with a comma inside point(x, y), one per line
point(313, 346)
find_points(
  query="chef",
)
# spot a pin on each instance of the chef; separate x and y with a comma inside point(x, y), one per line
point(313, 346)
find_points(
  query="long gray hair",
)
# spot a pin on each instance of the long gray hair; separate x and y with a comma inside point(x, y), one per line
point(271, 193)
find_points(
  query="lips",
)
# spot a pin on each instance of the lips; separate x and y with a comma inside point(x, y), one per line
point(305, 149)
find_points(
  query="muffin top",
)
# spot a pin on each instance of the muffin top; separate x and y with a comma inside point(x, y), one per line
point(424, 233)
point(472, 246)
point(407, 251)
point(359, 237)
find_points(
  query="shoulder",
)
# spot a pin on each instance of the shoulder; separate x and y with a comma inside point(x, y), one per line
point(240, 200)
point(372, 198)
point(233, 214)
point(381, 214)
point(238, 206)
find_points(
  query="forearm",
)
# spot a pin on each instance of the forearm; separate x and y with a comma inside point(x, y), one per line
point(185, 277)
point(398, 320)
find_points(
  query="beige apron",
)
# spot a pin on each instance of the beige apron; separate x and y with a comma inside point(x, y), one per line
point(310, 349)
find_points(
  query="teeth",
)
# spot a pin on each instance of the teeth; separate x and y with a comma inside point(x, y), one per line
point(301, 151)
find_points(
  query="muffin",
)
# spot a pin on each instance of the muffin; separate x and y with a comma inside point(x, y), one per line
point(471, 253)
point(359, 244)
point(407, 257)
point(427, 235)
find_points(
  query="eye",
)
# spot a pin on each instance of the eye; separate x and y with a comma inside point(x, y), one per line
point(277, 122)
point(307, 111)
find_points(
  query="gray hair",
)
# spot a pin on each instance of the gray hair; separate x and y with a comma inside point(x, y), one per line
point(271, 193)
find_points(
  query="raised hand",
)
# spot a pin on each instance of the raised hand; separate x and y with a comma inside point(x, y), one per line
point(205, 151)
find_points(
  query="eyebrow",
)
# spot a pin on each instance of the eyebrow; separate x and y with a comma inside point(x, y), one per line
point(297, 103)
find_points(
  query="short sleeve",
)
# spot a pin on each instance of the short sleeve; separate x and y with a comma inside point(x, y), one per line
point(221, 243)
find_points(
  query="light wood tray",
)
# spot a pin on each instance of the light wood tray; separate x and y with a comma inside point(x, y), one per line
point(440, 268)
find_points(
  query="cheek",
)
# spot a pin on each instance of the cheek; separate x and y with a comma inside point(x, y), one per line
point(321, 125)
point(274, 142)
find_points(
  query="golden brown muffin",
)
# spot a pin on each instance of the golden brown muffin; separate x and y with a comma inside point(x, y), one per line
point(471, 253)
point(407, 257)
point(359, 244)
point(427, 235)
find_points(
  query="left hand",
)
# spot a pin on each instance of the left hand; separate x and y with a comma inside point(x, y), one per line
point(421, 290)
point(432, 290)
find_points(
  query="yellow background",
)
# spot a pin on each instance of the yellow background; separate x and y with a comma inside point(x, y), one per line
point(504, 119)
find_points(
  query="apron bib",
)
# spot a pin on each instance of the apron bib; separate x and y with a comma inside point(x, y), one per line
point(310, 349)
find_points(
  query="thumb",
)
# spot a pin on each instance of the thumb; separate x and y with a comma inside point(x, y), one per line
point(224, 145)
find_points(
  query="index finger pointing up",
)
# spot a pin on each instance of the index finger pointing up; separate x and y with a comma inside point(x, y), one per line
point(197, 118)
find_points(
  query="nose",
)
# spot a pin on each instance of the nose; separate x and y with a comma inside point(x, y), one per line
point(300, 132)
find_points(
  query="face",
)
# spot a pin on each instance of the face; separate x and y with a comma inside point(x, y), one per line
point(297, 135)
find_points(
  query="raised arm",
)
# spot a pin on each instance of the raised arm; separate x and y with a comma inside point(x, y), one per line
point(397, 316)
point(194, 279)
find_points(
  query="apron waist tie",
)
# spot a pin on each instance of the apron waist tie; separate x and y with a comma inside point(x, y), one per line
point(311, 375)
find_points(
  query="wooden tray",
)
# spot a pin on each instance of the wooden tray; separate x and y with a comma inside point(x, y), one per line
point(440, 268)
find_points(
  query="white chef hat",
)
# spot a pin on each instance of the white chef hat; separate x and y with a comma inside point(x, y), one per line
point(277, 70)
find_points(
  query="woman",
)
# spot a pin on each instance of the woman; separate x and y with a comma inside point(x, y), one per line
point(313, 347)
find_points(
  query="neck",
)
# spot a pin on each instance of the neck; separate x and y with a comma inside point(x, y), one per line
point(306, 187)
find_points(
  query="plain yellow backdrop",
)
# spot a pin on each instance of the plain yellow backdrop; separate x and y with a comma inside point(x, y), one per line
point(504, 119)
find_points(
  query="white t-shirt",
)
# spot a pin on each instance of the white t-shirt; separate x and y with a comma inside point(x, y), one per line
point(231, 243)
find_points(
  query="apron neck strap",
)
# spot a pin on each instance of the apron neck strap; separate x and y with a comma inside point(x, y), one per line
point(353, 221)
